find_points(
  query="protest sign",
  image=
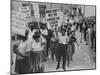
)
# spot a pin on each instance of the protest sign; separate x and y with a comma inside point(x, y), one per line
point(26, 10)
point(53, 17)
point(36, 9)
point(18, 22)
point(36, 12)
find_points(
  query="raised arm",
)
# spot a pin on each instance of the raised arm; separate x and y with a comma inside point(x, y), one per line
point(77, 43)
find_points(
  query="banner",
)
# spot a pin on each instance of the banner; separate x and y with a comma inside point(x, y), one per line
point(18, 22)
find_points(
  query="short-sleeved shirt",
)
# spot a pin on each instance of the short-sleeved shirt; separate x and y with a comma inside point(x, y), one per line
point(44, 32)
point(43, 40)
point(37, 45)
point(53, 38)
point(72, 39)
point(21, 49)
point(24, 47)
point(62, 39)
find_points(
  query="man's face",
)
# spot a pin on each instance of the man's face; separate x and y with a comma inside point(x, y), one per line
point(63, 32)
point(37, 40)
point(43, 27)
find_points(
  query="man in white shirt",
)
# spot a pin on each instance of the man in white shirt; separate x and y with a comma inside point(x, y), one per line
point(62, 48)
point(73, 28)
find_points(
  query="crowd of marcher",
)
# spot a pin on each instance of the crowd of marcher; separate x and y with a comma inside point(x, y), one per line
point(88, 34)
point(40, 43)
point(88, 29)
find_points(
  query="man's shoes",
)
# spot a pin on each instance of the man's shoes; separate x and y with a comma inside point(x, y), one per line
point(57, 67)
point(64, 69)
point(68, 65)
point(71, 59)
point(86, 43)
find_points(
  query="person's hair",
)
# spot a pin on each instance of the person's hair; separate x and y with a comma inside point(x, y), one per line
point(65, 26)
point(33, 25)
point(92, 25)
point(13, 37)
point(36, 35)
point(43, 25)
point(72, 16)
point(68, 20)
point(69, 28)
point(24, 38)
point(62, 29)
point(21, 37)
point(74, 23)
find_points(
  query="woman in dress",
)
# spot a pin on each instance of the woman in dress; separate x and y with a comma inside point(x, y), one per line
point(22, 65)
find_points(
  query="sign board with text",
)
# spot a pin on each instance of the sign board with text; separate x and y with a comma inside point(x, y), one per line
point(36, 11)
point(53, 17)
point(26, 10)
point(18, 22)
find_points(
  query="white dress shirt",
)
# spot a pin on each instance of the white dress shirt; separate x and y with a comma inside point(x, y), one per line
point(53, 39)
point(62, 39)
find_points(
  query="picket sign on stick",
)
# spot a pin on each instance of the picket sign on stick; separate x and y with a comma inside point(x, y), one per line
point(36, 12)
point(54, 17)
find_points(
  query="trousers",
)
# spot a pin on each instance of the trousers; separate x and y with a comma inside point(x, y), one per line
point(62, 52)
